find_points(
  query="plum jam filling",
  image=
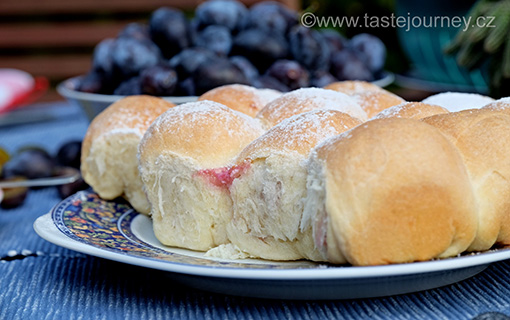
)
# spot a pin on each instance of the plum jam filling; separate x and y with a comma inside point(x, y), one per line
point(223, 177)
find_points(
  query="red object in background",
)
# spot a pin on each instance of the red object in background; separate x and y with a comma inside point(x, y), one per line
point(18, 88)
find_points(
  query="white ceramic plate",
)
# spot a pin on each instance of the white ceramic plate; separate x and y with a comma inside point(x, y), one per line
point(113, 230)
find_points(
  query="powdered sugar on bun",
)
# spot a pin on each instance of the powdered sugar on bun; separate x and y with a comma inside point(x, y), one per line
point(242, 98)
point(267, 196)
point(352, 87)
point(299, 133)
point(206, 131)
point(502, 105)
point(109, 163)
point(411, 110)
point(373, 102)
point(308, 99)
point(458, 101)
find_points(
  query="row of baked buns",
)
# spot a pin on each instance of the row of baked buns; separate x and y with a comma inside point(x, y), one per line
point(346, 174)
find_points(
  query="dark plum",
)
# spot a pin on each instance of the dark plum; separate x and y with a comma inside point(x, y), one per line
point(321, 79)
point(69, 154)
point(65, 190)
point(290, 73)
point(159, 80)
point(32, 163)
point(334, 39)
point(309, 48)
point(131, 86)
point(14, 197)
point(186, 62)
point(218, 72)
point(170, 30)
point(135, 30)
point(260, 47)
point(185, 87)
point(215, 38)
point(102, 59)
point(130, 56)
point(272, 17)
point(371, 48)
point(347, 65)
point(268, 82)
point(249, 70)
point(229, 13)
point(94, 82)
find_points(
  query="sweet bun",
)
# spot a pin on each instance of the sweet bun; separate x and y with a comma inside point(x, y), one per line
point(457, 101)
point(108, 161)
point(411, 110)
point(482, 138)
point(373, 102)
point(502, 105)
point(389, 191)
point(267, 197)
point(184, 158)
point(308, 99)
point(351, 87)
point(242, 98)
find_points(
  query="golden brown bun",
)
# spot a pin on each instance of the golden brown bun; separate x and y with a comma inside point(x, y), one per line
point(458, 101)
point(502, 105)
point(207, 132)
point(182, 156)
point(373, 102)
point(242, 98)
point(267, 196)
point(108, 160)
point(351, 87)
point(411, 110)
point(308, 99)
point(482, 137)
point(393, 191)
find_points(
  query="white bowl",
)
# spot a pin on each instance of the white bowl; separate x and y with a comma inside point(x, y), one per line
point(93, 103)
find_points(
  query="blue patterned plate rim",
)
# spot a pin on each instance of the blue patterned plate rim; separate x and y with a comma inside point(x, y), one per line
point(85, 223)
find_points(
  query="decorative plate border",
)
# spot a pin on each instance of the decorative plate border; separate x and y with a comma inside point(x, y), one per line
point(88, 219)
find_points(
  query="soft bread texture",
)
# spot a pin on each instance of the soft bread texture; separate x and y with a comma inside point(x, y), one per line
point(190, 209)
point(373, 102)
point(108, 162)
point(267, 197)
point(389, 191)
point(308, 99)
point(411, 110)
point(351, 87)
point(482, 137)
point(242, 98)
point(458, 101)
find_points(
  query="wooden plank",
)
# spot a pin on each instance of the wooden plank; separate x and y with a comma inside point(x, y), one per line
point(88, 6)
point(19, 7)
point(50, 66)
point(57, 34)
